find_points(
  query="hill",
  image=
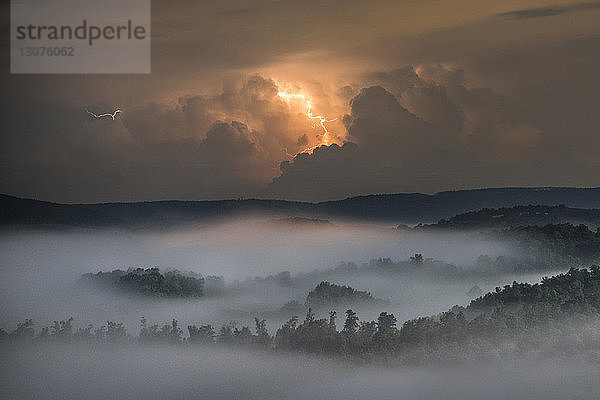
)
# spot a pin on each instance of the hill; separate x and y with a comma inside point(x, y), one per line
point(392, 208)
point(522, 216)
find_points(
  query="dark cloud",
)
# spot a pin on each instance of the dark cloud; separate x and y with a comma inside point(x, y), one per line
point(326, 172)
point(549, 11)
point(466, 99)
point(431, 133)
point(198, 147)
point(379, 123)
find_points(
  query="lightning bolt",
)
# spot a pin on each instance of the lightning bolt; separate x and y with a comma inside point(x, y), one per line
point(320, 119)
point(113, 115)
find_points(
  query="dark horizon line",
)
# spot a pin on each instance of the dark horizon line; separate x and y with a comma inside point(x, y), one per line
point(282, 200)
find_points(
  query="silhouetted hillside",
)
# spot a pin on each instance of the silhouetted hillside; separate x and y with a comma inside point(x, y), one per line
point(523, 216)
point(393, 208)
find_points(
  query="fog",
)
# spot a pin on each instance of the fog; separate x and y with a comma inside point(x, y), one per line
point(163, 372)
point(39, 271)
point(237, 249)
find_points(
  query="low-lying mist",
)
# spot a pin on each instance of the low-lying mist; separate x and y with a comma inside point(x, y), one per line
point(39, 270)
point(40, 275)
point(55, 371)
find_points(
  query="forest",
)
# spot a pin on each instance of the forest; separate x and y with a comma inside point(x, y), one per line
point(558, 316)
point(149, 282)
point(533, 249)
point(522, 215)
point(304, 302)
point(538, 247)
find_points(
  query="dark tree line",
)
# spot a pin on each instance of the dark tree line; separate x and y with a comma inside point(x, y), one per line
point(532, 215)
point(542, 248)
point(577, 290)
point(551, 246)
point(331, 295)
point(64, 331)
point(548, 247)
point(572, 242)
point(151, 282)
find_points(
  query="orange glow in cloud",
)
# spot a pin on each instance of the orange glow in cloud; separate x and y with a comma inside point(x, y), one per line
point(320, 119)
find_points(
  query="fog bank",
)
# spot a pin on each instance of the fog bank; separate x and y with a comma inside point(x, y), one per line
point(163, 372)
point(39, 270)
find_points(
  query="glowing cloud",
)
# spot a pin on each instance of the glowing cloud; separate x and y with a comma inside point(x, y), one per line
point(320, 119)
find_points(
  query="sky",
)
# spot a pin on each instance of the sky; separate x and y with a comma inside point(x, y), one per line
point(419, 95)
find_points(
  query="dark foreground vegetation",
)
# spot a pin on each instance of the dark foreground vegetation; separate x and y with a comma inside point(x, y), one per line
point(559, 316)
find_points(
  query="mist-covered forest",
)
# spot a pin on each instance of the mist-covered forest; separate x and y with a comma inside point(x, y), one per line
point(557, 317)
point(328, 296)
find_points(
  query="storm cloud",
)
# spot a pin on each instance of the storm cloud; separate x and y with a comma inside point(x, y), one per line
point(501, 95)
point(421, 129)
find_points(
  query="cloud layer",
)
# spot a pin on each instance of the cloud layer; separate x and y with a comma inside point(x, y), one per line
point(426, 97)
point(423, 131)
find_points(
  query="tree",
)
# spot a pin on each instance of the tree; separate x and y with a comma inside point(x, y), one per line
point(263, 338)
point(205, 334)
point(243, 336)
point(386, 332)
point(351, 323)
point(327, 294)
point(332, 317)
point(24, 331)
point(386, 323)
point(225, 335)
point(157, 334)
point(152, 282)
point(115, 332)
point(285, 335)
point(175, 332)
point(62, 330)
point(417, 259)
